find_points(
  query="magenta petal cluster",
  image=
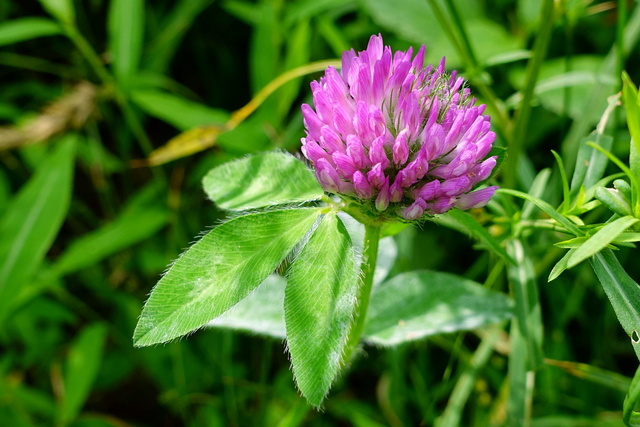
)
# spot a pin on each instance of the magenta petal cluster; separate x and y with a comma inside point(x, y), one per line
point(404, 138)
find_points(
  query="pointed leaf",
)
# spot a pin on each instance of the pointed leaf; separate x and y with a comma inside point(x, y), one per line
point(33, 220)
point(218, 271)
point(623, 293)
point(62, 10)
point(415, 305)
point(17, 30)
point(320, 300)
point(142, 217)
point(261, 180)
point(126, 34)
point(600, 240)
point(590, 163)
point(260, 313)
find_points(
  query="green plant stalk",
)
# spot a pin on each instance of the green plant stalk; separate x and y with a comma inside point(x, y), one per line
point(367, 268)
point(533, 70)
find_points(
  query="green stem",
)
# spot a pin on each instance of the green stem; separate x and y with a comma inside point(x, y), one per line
point(368, 268)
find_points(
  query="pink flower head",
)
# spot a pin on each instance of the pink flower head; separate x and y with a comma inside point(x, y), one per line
point(403, 138)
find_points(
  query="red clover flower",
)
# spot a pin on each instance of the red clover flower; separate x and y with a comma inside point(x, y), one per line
point(399, 138)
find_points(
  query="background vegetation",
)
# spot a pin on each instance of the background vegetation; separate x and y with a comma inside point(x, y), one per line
point(94, 204)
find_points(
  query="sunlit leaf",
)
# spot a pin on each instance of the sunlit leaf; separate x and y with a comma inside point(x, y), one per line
point(261, 180)
point(415, 305)
point(600, 240)
point(218, 271)
point(320, 301)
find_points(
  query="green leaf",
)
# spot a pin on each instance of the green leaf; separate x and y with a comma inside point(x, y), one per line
point(466, 223)
point(415, 305)
point(600, 240)
point(28, 28)
point(623, 293)
point(546, 208)
point(523, 282)
point(218, 271)
point(139, 219)
point(320, 301)
point(590, 163)
point(33, 219)
point(260, 313)
point(177, 111)
point(82, 368)
point(630, 416)
point(562, 264)
point(125, 25)
point(62, 10)
point(261, 180)
point(631, 100)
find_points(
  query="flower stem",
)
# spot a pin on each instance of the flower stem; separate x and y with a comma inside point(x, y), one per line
point(368, 268)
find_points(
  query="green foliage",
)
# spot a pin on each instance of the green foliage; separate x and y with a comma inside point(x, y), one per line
point(86, 228)
point(260, 181)
point(319, 303)
point(416, 305)
point(222, 268)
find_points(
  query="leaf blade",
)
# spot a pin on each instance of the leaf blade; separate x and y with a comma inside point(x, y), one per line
point(415, 305)
point(33, 220)
point(126, 33)
point(320, 301)
point(218, 271)
point(261, 180)
point(27, 28)
point(600, 240)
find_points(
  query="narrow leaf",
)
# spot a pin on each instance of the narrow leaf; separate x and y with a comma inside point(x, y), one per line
point(140, 219)
point(632, 402)
point(561, 265)
point(415, 305)
point(546, 208)
point(523, 282)
point(590, 163)
point(261, 180)
point(21, 29)
point(623, 293)
point(320, 301)
point(33, 219)
point(177, 111)
point(218, 271)
point(82, 368)
point(62, 10)
point(125, 25)
point(600, 240)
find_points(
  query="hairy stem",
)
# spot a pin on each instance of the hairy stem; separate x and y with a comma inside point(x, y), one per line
point(368, 268)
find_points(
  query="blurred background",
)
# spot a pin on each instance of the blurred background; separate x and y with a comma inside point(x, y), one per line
point(112, 111)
